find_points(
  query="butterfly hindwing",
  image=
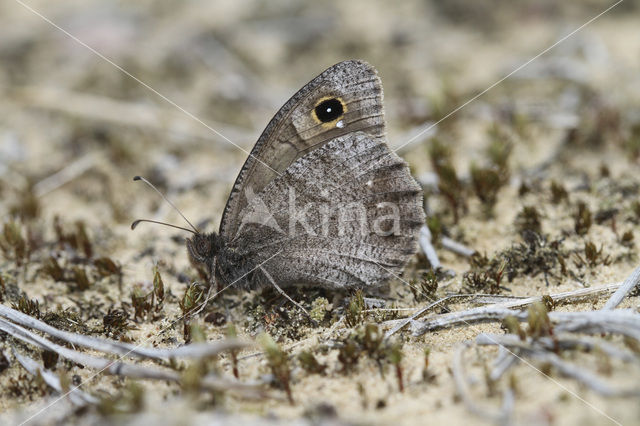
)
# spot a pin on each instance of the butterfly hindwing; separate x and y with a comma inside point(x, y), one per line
point(366, 235)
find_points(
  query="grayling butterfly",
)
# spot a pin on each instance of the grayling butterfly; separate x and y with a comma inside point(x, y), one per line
point(321, 200)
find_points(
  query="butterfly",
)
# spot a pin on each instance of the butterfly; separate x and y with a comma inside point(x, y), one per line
point(321, 200)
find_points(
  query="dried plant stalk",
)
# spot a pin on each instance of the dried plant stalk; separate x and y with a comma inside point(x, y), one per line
point(193, 351)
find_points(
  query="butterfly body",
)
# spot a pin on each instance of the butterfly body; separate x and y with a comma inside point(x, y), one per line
point(321, 200)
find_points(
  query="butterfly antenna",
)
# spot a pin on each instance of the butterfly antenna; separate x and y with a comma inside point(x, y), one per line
point(170, 203)
point(137, 222)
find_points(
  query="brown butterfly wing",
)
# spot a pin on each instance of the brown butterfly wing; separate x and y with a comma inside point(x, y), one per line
point(297, 130)
point(366, 236)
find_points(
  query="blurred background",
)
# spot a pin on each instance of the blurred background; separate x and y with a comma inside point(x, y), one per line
point(65, 112)
point(95, 92)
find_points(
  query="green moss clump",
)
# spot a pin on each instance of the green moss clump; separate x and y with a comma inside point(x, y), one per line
point(310, 363)
point(558, 192)
point(354, 314)
point(529, 220)
point(320, 307)
point(582, 219)
point(534, 256)
point(448, 183)
point(278, 362)
point(27, 306)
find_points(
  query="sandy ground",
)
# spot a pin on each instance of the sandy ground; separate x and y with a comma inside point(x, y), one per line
point(74, 130)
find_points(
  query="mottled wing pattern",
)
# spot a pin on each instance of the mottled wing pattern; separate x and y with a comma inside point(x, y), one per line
point(330, 247)
point(293, 131)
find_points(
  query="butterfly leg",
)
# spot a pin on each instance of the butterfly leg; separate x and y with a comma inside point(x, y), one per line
point(281, 291)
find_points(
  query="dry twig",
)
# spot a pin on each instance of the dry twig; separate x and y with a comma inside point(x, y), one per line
point(77, 397)
point(193, 351)
point(462, 388)
point(629, 284)
point(118, 368)
point(501, 310)
point(542, 354)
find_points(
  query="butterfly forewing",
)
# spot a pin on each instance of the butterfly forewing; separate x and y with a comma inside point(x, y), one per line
point(344, 99)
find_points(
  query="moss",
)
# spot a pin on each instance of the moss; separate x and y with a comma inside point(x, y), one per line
point(78, 240)
point(395, 356)
point(548, 302)
point(604, 215)
point(592, 256)
point(528, 220)
point(448, 183)
point(3, 288)
point(26, 386)
point(192, 299)
point(512, 325)
point(52, 269)
point(368, 342)
point(80, 278)
point(354, 314)
point(320, 309)
point(485, 275)
point(158, 289)
point(582, 219)
point(426, 287)
point(348, 354)
point(310, 363)
point(107, 267)
point(278, 362)
point(128, 401)
point(194, 296)
point(539, 322)
point(27, 306)
point(4, 362)
point(27, 207)
point(435, 227)
point(116, 322)
point(632, 143)
point(141, 301)
point(267, 313)
point(499, 151)
point(49, 359)
point(635, 209)
point(627, 239)
point(487, 180)
point(486, 183)
point(13, 244)
point(524, 189)
point(535, 255)
point(558, 192)
point(66, 319)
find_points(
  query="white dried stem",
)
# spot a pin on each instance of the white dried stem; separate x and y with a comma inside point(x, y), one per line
point(505, 360)
point(67, 174)
point(621, 321)
point(108, 366)
point(456, 247)
point(76, 396)
point(462, 386)
point(195, 350)
point(629, 284)
point(425, 242)
point(565, 368)
point(499, 311)
point(401, 323)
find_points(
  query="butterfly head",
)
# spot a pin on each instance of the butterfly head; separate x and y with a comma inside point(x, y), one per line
point(203, 250)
